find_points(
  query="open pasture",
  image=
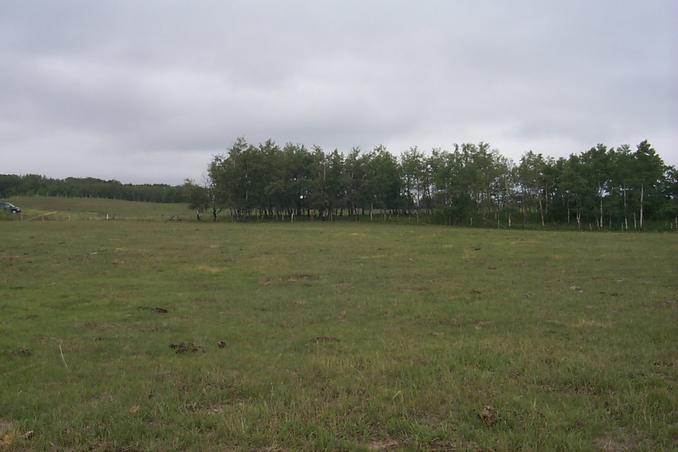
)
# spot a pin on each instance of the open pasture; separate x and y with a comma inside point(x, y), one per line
point(37, 208)
point(129, 335)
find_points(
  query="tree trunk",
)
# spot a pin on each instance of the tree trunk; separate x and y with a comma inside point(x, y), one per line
point(568, 210)
point(642, 193)
point(626, 217)
point(541, 211)
point(601, 208)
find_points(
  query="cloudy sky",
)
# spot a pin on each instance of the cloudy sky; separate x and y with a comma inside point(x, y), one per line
point(148, 91)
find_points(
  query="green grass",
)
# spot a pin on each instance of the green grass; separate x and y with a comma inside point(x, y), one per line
point(337, 337)
point(54, 208)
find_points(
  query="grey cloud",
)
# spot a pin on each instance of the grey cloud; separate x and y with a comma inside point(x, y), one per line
point(147, 91)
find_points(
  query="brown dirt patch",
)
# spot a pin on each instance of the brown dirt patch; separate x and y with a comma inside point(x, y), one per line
point(8, 434)
point(383, 445)
point(5, 426)
point(480, 324)
point(185, 347)
point(488, 415)
point(607, 444)
point(591, 323)
point(210, 269)
point(301, 278)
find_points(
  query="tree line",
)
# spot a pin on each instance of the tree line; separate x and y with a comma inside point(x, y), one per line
point(88, 187)
point(620, 188)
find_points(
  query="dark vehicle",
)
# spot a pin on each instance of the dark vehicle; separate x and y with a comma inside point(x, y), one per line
point(9, 207)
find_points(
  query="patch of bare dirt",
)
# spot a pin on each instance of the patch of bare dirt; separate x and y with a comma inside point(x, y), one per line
point(157, 309)
point(185, 347)
point(489, 415)
point(5, 426)
point(8, 434)
point(21, 351)
point(383, 445)
point(607, 444)
point(663, 363)
point(215, 409)
point(210, 269)
point(446, 446)
point(301, 278)
point(480, 324)
point(591, 323)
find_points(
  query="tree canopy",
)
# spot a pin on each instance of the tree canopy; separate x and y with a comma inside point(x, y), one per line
point(88, 187)
point(602, 187)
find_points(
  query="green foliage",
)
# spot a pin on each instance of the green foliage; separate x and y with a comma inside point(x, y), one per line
point(198, 196)
point(89, 187)
point(603, 187)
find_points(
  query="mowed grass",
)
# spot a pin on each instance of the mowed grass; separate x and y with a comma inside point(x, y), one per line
point(335, 337)
point(50, 207)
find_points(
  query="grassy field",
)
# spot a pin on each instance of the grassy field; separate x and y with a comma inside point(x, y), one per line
point(133, 335)
point(53, 208)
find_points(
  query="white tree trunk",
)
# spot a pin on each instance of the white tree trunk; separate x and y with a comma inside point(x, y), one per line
point(600, 225)
point(626, 218)
point(541, 212)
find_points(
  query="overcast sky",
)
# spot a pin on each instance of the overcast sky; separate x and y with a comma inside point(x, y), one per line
point(148, 91)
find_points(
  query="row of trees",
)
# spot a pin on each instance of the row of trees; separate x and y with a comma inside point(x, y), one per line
point(33, 184)
point(603, 187)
